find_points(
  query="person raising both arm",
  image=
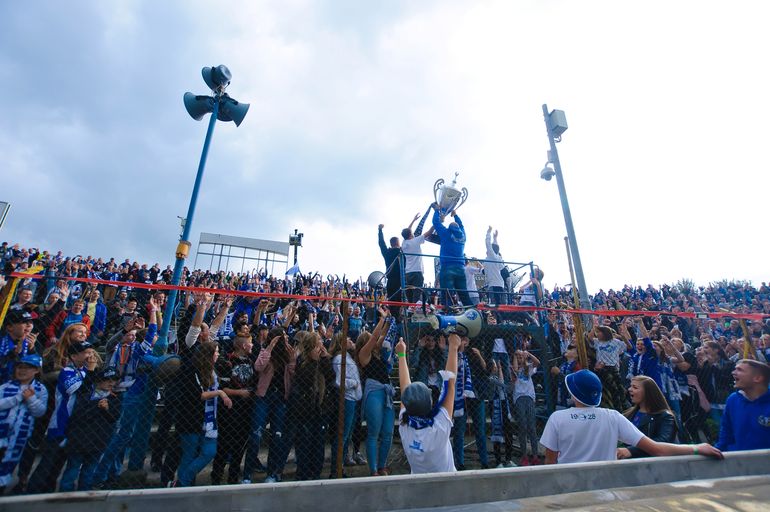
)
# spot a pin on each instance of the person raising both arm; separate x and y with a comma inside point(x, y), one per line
point(424, 428)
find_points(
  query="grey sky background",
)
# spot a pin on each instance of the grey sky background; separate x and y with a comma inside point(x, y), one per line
point(358, 107)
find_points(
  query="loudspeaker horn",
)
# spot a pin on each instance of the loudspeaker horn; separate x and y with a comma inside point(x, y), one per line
point(231, 110)
point(198, 106)
point(467, 324)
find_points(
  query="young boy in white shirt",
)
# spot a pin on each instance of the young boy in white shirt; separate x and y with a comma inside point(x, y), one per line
point(425, 429)
point(587, 433)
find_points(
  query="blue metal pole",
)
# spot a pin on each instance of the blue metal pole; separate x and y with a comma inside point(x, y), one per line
point(585, 303)
point(162, 344)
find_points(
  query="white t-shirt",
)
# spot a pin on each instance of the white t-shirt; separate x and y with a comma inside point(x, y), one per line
point(409, 247)
point(428, 450)
point(588, 434)
point(608, 352)
point(524, 385)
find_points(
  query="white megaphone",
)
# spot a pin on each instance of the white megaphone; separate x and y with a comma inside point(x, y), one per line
point(468, 324)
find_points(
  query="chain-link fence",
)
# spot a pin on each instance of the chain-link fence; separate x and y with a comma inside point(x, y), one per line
point(249, 390)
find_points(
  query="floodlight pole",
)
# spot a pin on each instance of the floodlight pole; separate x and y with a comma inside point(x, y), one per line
point(585, 303)
point(184, 244)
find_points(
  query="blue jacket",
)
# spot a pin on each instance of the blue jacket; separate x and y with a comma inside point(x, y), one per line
point(452, 242)
point(745, 423)
point(647, 363)
point(99, 323)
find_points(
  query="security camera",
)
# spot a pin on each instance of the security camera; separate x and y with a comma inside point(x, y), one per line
point(547, 173)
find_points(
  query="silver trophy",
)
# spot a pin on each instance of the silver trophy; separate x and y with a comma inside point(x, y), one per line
point(449, 197)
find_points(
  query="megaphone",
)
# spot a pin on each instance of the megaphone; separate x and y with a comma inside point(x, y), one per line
point(231, 110)
point(468, 324)
point(198, 106)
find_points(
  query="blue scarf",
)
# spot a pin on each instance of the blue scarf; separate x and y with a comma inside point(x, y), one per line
point(464, 385)
point(421, 422)
point(7, 346)
point(501, 409)
point(389, 344)
point(16, 425)
point(210, 411)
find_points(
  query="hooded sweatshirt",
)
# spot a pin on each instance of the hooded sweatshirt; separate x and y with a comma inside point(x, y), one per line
point(745, 424)
point(452, 242)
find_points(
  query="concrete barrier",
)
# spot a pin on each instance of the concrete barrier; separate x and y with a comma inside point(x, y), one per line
point(404, 491)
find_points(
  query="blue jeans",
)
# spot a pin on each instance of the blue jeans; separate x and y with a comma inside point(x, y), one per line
point(379, 430)
point(451, 279)
point(350, 415)
point(197, 451)
point(272, 408)
point(134, 430)
point(476, 409)
point(82, 465)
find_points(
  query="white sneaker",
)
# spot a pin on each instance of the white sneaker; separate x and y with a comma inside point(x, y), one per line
point(500, 466)
point(271, 480)
point(510, 464)
point(245, 481)
point(360, 460)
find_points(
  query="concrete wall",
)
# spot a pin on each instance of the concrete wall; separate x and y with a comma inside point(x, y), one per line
point(404, 491)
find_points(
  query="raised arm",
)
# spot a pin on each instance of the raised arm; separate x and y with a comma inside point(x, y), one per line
point(403, 366)
point(451, 366)
point(220, 318)
point(365, 354)
point(381, 240)
point(441, 230)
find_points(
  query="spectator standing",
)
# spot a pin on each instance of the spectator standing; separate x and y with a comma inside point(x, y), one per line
point(97, 409)
point(82, 360)
point(17, 341)
point(22, 400)
point(238, 380)
point(746, 420)
point(344, 347)
point(649, 413)
point(424, 429)
point(452, 257)
point(493, 268)
point(377, 402)
point(392, 256)
point(413, 267)
point(199, 396)
point(524, 367)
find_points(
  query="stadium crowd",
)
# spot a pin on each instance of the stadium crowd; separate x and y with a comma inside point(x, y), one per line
point(82, 389)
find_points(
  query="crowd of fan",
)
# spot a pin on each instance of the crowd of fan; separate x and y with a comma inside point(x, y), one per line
point(80, 383)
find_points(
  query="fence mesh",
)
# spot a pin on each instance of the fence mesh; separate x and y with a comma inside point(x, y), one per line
point(248, 390)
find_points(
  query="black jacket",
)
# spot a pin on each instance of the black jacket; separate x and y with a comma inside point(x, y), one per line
point(91, 427)
point(659, 427)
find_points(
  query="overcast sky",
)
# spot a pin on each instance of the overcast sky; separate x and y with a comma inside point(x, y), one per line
point(357, 107)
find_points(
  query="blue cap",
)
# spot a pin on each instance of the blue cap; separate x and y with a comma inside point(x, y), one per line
point(417, 399)
point(585, 387)
point(31, 360)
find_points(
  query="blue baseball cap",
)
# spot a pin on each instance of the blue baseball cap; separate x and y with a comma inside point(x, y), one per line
point(417, 399)
point(31, 360)
point(585, 387)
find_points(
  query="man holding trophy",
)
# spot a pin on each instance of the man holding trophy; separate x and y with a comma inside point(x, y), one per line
point(452, 241)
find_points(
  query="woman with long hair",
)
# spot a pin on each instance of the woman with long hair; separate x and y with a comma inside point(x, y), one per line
point(351, 387)
point(650, 413)
point(309, 403)
point(275, 365)
point(199, 398)
point(55, 357)
point(377, 403)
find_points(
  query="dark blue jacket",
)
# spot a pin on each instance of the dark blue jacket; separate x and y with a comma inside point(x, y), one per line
point(452, 242)
point(745, 423)
point(647, 363)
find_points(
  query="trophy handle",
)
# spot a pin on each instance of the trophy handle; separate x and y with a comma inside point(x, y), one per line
point(463, 198)
point(437, 187)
